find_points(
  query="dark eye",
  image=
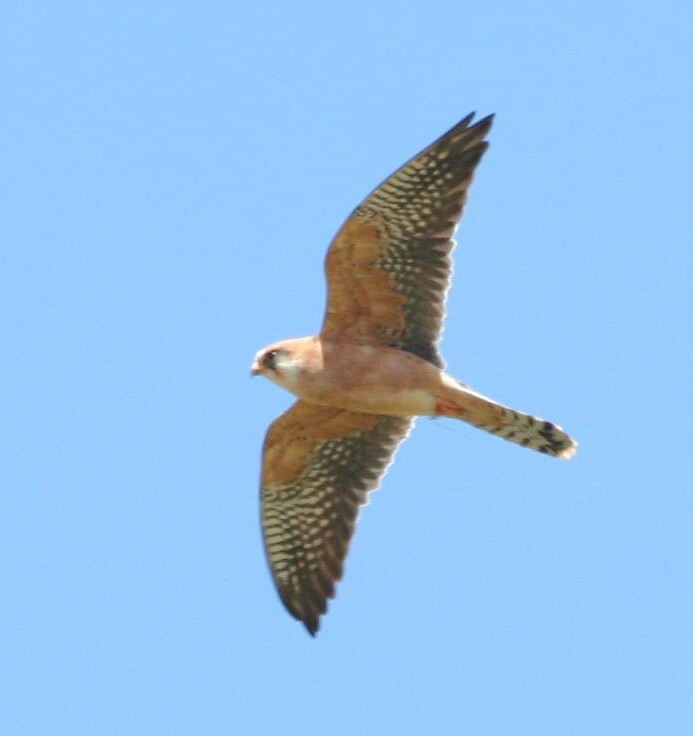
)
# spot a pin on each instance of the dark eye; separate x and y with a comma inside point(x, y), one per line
point(269, 359)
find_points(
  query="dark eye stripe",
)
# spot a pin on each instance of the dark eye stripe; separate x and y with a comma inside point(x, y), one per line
point(269, 359)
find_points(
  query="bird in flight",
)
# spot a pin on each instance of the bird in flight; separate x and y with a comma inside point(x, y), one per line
point(373, 367)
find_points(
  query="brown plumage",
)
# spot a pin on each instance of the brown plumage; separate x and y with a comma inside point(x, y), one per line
point(374, 366)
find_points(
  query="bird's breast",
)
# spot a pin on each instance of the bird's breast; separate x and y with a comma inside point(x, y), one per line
point(370, 378)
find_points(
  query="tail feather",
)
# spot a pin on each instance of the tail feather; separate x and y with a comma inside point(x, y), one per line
point(522, 429)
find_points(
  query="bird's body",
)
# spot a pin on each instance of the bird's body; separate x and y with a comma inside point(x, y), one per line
point(374, 379)
point(373, 366)
point(377, 379)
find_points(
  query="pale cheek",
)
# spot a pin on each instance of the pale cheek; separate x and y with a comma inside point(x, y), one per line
point(289, 377)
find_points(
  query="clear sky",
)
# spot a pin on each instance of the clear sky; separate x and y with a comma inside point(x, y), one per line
point(171, 176)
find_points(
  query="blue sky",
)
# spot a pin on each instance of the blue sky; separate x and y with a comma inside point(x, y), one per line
point(171, 179)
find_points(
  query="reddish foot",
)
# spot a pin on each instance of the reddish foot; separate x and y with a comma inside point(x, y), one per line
point(448, 409)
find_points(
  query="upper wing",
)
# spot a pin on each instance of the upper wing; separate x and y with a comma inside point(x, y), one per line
point(388, 268)
point(318, 465)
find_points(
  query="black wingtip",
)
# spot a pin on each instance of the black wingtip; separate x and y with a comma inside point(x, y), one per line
point(485, 123)
point(312, 627)
point(477, 130)
point(467, 119)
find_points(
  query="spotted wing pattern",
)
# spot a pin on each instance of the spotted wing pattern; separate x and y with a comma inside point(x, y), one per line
point(319, 464)
point(388, 268)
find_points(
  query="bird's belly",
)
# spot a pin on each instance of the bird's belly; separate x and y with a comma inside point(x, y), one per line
point(380, 400)
point(371, 379)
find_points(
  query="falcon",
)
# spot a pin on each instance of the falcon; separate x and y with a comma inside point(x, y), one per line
point(374, 366)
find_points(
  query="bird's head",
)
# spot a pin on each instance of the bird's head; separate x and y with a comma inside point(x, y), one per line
point(280, 362)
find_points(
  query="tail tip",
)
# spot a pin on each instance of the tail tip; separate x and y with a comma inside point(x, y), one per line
point(565, 453)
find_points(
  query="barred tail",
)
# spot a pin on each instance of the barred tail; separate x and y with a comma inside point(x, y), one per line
point(512, 425)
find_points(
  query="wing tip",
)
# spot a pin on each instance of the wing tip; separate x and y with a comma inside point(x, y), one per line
point(470, 136)
point(309, 619)
point(312, 626)
point(304, 611)
point(483, 125)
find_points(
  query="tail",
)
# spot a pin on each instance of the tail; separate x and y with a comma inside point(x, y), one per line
point(512, 425)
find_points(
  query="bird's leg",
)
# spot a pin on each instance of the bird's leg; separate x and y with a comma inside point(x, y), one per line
point(445, 408)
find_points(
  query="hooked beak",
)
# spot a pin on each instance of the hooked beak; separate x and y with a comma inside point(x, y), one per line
point(255, 369)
